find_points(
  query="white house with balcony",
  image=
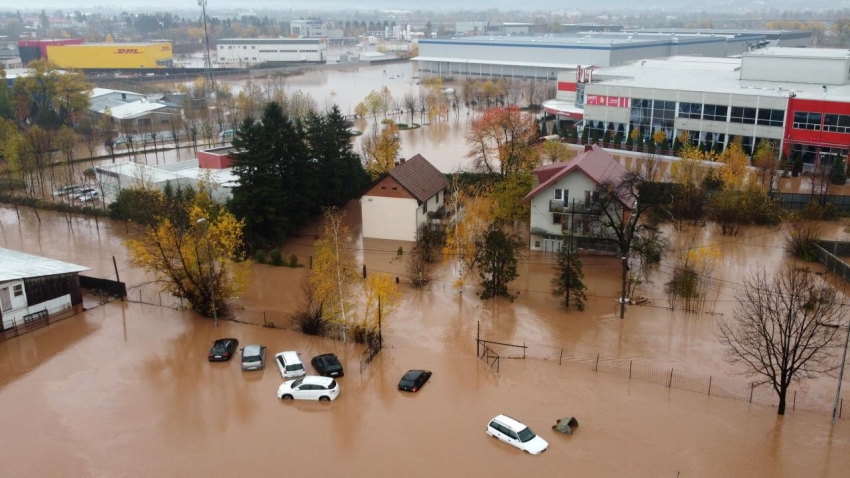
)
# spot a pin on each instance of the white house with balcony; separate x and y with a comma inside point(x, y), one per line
point(565, 202)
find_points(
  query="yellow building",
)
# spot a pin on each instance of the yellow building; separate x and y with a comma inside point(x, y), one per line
point(111, 55)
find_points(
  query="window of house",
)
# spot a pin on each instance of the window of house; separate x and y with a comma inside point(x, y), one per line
point(537, 244)
point(438, 197)
point(715, 112)
point(743, 115)
point(557, 218)
point(395, 188)
point(18, 290)
point(559, 194)
point(806, 120)
point(5, 299)
point(767, 117)
point(425, 207)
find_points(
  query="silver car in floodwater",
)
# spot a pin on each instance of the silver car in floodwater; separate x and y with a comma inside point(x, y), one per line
point(253, 357)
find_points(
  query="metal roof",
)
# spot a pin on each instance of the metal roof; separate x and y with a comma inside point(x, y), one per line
point(269, 41)
point(136, 108)
point(780, 52)
point(560, 66)
point(16, 265)
point(172, 172)
point(95, 92)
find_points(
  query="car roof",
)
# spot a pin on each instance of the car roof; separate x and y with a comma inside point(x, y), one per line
point(326, 356)
point(253, 349)
point(510, 422)
point(413, 373)
point(316, 380)
point(289, 356)
point(222, 341)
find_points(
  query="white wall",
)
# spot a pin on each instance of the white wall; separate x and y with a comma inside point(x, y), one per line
point(576, 183)
point(389, 218)
point(433, 203)
point(53, 306)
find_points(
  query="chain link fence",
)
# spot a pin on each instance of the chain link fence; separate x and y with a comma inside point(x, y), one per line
point(679, 379)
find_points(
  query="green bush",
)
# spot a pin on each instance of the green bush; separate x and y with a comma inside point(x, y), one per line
point(276, 257)
point(400, 251)
point(293, 261)
point(260, 257)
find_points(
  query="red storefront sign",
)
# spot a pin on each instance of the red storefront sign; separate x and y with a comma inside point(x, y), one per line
point(601, 100)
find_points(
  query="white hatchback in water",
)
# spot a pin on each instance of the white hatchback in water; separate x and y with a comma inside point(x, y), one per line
point(311, 387)
point(515, 433)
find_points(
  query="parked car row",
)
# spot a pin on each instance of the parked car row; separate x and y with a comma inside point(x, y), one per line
point(325, 388)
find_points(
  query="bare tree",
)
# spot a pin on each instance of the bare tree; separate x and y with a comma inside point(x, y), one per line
point(780, 329)
point(409, 103)
point(821, 186)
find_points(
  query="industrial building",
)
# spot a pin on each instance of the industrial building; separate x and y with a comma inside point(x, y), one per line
point(10, 58)
point(36, 49)
point(781, 38)
point(213, 165)
point(546, 56)
point(313, 29)
point(245, 51)
point(111, 56)
point(797, 98)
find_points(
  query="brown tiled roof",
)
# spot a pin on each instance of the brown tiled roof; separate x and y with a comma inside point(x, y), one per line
point(595, 162)
point(419, 177)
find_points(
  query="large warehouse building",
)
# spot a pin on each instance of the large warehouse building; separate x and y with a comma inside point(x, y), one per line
point(781, 38)
point(545, 57)
point(36, 49)
point(245, 51)
point(797, 98)
point(111, 56)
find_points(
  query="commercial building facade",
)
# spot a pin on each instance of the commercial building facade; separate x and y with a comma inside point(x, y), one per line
point(242, 51)
point(111, 56)
point(798, 99)
point(36, 49)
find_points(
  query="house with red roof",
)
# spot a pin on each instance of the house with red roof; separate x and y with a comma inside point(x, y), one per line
point(565, 202)
point(403, 199)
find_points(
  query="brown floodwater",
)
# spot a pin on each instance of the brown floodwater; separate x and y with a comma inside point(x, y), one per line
point(116, 390)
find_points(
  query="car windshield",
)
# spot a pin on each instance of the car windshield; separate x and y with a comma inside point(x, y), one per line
point(297, 383)
point(293, 367)
point(332, 385)
point(526, 435)
point(253, 358)
point(407, 383)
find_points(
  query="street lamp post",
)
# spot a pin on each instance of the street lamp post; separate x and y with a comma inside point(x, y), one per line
point(840, 377)
point(203, 220)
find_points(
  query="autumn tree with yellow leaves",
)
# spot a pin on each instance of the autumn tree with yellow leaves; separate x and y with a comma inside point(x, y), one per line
point(692, 276)
point(334, 273)
point(380, 149)
point(381, 300)
point(194, 252)
point(473, 215)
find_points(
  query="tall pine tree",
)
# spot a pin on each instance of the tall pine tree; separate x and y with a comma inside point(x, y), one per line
point(568, 285)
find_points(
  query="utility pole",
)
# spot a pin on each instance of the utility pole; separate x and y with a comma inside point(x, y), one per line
point(207, 58)
point(840, 377)
point(625, 259)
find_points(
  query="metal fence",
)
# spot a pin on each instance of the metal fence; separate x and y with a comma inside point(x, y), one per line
point(830, 253)
point(150, 294)
point(37, 321)
point(693, 382)
point(797, 201)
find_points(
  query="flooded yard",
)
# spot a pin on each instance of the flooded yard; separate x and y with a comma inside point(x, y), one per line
point(126, 387)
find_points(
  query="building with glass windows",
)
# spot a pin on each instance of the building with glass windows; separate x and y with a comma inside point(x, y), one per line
point(798, 99)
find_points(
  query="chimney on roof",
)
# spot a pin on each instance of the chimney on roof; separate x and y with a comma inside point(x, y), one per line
point(588, 147)
point(401, 161)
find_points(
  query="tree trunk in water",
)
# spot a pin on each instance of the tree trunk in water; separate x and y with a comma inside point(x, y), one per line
point(783, 391)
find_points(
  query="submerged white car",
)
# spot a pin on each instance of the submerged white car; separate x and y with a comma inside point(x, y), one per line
point(515, 433)
point(311, 387)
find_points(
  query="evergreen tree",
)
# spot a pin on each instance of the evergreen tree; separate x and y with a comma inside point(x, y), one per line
point(618, 140)
point(594, 136)
point(278, 182)
point(606, 138)
point(585, 132)
point(797, 165)
point(838, 171)
point(677, 146)
point(496, 256)
point(342, 173)
point(568, 285)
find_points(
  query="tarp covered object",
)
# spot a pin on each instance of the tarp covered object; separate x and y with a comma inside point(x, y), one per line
point(566, 425)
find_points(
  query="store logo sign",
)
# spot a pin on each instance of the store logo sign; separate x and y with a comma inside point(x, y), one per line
point(131, 51)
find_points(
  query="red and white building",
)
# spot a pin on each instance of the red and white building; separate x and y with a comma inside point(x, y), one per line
point(798, 99)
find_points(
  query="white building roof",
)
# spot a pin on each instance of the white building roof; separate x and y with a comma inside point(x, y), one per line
point(708, 75)
point(135, 109)
point(95, 92)
point(834, 53)
point(372, 54)
point(172, 172)
point(16, 265)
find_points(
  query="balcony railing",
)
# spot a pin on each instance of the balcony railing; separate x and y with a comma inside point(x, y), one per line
point(574, 206)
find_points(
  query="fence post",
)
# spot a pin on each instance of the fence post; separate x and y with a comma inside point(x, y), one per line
point(140, 295)
point(561, 358)
point(160, 299)
point(630, 369)
point(752, 387)
point(478, 338)
point(670, 382)
point(523, 350)
point(840, 407)
point(596, 367)
point(794, 401)
point(709, 385)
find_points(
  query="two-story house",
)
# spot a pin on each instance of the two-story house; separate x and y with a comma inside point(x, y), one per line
point(566, 202)
point(403, 199)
